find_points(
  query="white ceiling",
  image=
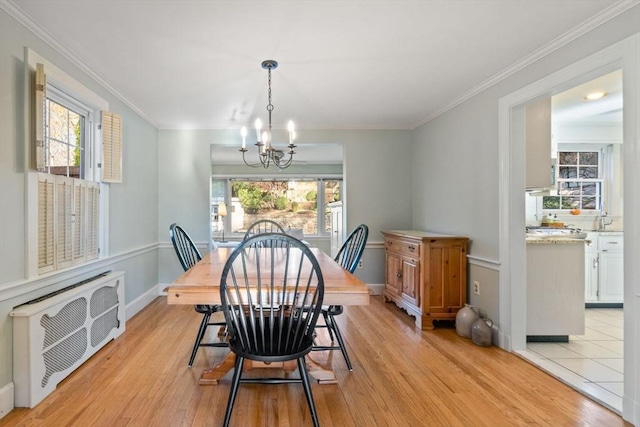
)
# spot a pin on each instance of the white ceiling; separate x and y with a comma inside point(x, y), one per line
point(572, 107)
point(343, 64)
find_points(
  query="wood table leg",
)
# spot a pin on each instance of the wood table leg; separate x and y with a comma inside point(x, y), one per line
point(212, 376)
point(321, 374)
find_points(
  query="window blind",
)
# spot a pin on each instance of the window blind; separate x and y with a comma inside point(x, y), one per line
point(45, 222)
point(79, 221)
point(93, 209)
point(64, 220)
point(111, 147)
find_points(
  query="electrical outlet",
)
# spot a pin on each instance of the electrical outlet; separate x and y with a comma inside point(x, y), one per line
point(360, 265)
point(476, 287)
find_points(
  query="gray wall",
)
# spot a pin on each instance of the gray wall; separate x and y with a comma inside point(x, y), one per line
point(133, 209)
point(376, 178)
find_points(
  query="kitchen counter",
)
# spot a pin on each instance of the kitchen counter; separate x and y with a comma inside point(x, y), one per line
point(555, 288)
point(556, 241)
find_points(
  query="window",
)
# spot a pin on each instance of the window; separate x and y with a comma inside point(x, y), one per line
point(579, 182)
point(65, 197)
point(64, 142)
point(298, 204)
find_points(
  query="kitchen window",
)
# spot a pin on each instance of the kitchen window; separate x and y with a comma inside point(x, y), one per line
point(579, 181)
point(298, 204)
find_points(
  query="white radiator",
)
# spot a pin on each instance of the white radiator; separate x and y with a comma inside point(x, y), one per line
point(54, 335)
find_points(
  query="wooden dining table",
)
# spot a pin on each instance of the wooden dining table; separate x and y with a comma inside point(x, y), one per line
point(201, 285)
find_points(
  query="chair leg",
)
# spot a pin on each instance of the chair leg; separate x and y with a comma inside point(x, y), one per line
point(201, 331)
point(235, 382)
point(343, 348)
point(326, 322)
point(304, 376)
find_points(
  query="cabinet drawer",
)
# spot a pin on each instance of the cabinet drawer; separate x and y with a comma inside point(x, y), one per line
point(608, 243)
point(404, 247)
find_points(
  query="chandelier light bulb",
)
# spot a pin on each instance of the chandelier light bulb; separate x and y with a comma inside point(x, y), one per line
point(258, 128)
point(243, 132)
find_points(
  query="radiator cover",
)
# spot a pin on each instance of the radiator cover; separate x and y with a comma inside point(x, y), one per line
point(52, 337)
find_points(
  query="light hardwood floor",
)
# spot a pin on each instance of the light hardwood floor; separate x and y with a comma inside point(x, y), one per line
point(401, 377)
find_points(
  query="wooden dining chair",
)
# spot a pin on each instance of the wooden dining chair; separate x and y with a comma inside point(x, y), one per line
point(348, 257)
point(272, 318)
point(188, 255)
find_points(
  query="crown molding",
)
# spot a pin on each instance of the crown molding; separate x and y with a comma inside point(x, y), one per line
point(10, 7)
point(555, 44)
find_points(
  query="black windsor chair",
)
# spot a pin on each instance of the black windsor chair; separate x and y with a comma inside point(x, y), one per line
point(271, 291)
point(263, 226)
point(188, 254)
point(348, 257)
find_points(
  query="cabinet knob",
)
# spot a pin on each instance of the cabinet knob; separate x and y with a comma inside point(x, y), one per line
point(399, 274)
point(412, 248)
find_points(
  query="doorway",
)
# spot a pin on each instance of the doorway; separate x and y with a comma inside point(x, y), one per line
point(623, 55)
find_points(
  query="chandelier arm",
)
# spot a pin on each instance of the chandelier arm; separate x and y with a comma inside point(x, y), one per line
point(286, 164)
point(253, 165)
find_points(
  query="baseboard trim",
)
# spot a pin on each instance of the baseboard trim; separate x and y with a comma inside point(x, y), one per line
point(375, 288)
point(6, 399)
point(141, 302)
point(603, 305)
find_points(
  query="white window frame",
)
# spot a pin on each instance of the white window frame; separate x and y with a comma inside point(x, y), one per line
point(74, 90)
point(601, 161)
point(89, 114)
point(321, 205)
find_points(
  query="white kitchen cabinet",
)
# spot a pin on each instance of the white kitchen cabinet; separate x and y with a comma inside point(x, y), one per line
point(555, 289)
point(539, 172)
point(604, 281)
point(611, 268)
point(591, 269)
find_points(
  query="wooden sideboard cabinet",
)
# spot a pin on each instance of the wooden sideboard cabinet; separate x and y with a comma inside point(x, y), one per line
point(426, 274)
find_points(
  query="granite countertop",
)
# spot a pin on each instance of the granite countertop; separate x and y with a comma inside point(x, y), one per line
point(558, 241)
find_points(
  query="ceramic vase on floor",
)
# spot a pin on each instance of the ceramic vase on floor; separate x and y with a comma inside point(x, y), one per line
point(481, 332)
point(465, 318)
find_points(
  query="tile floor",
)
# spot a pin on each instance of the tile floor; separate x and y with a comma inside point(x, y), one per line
point(591, 363)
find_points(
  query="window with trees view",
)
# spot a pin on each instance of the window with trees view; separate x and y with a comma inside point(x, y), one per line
point(299, 205)
point(64, 141)
point(579, 182)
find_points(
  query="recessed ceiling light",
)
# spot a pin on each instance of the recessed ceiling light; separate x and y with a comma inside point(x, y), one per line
point(595, 95)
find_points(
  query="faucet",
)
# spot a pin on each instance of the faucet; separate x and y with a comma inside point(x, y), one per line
point(602, 225)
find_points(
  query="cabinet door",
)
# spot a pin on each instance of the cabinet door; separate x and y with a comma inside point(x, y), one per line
point(394, 274)
point(411, 280)
point(611, 276)
point(591, 277)
point(446, 277)
point(538, 144)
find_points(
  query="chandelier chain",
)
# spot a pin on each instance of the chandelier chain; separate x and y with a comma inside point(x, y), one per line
point(270, 105)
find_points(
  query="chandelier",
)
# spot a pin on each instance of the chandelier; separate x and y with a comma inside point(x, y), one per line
point(267, 154)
